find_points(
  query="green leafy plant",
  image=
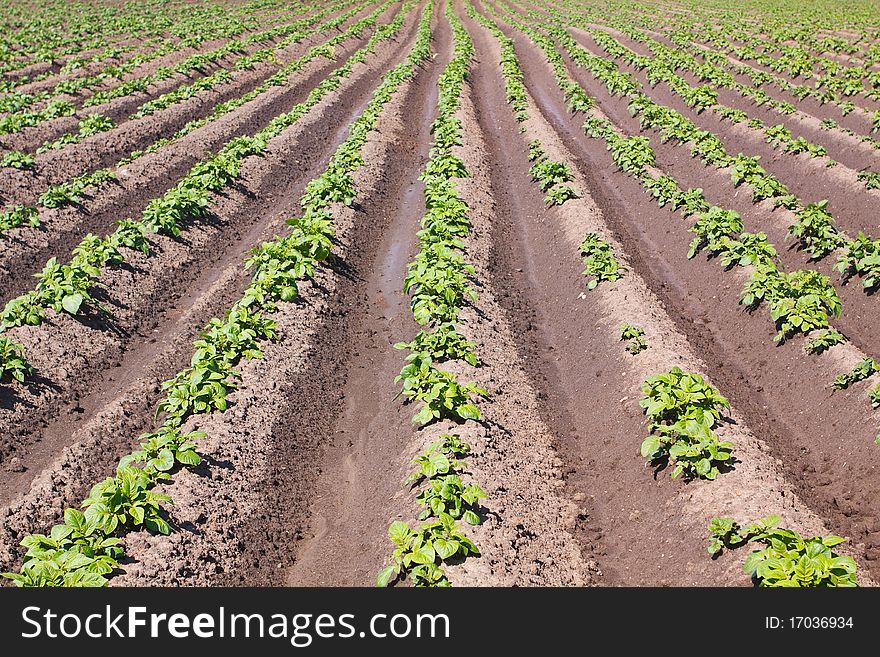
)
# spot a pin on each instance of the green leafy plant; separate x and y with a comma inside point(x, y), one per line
point(548, 173)
point(560, 194)
point(536, 152)
point(631, 154)
point(860, 371)
point(125, 500)
point(683, 409)
point(201, 388)
point(824, 340)
point(75, 553)
point(18, 160)
point(862, 257)
point(19, 215)
point(12, 362)
point(799, 302)
point(715, 230)
point(66, 287)
point(599, 261)
point(788, 559)
point(749, 249)
point(633, 335)
point(874, 396)
point(444, 500)
point(870, 178)
point(439, 391)
point(418, 552)
point(815, 229)
point(444, 343)
point(162, 450)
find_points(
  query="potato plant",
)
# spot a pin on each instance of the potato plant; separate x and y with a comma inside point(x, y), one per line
point(860, 371)
point(599, 261)
point(444, 500)
point(683, 410)
point(19, 215)
point(634, 337)
point(786, 559)
point(12, 362)
point(823, 341)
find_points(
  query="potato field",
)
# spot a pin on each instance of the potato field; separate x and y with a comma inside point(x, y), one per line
point(440, 293)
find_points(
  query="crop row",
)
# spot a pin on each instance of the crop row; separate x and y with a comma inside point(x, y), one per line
point(799, 302)
point(662, 67)
point(85, 549)
point(95, 123)
point(438, 282)
point(186, 25)
point(29, 39)
point(774, 50)
point(14, 101)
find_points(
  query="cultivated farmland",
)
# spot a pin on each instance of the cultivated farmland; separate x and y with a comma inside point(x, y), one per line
point(440, 292)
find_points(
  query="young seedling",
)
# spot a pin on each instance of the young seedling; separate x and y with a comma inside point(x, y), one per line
point(683, 409)
point(824, 340)
point(599, 261)
point(12, 360)
point(559, 195)
point(633, 334)
point(860, 371)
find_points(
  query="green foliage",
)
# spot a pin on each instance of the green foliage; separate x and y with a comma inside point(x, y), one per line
point(799, 302)
point(824, 340)
point(162, 450)
point(633, 335)
point(75, 553)
point(749, 249)
point(862, 258)
point(126, 501)
point(418, 551)
point(445, 499)
point(548, 173)
point(19, 215)
point(18, 160)
point(444, 343)
point(815, 229)
point(536, 152)
point(439, 391)
point(683, 409)
point(66, 287)
point(631, 154)
point(201, 388)
point(599, 261)
point(860, 371)
point(788, 559)
point(559, 195)
point(714, 230)
point(870, 178)
point(12, 361)
point(874, 396)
